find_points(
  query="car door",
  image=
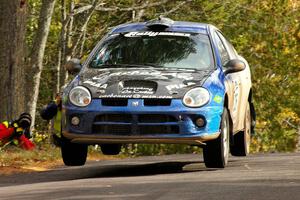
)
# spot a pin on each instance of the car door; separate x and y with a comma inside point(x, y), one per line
point(244, 84)
point(233, 81)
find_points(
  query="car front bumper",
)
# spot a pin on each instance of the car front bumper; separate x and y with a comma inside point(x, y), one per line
point(137, 123)
point(110, 139)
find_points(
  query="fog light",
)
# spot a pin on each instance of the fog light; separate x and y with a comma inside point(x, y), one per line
point(75, 121)
point(200, 122)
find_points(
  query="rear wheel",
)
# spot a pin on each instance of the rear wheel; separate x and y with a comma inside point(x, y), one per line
point(241, 140)
point(111, 149)
point(216, 152)
point(73, 154)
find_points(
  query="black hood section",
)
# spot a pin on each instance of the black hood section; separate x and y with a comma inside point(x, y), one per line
point(141, 82)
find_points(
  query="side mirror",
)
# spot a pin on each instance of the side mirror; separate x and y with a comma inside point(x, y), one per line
point(234, 65)
point(73, 66)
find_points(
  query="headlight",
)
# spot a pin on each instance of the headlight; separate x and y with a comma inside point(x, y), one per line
point(80, 96)
point(196, 97)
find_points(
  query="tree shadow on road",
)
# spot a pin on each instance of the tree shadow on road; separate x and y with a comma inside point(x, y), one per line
point(104, 169)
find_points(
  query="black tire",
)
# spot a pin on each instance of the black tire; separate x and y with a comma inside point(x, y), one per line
point(73, 154)
point(216, 151)
point(111, 149)
point(241, 140)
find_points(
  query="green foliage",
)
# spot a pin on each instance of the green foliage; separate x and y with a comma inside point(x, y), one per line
point(266, 33)
point(271, 45)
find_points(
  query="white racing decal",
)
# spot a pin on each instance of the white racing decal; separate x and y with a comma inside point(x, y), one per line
point(185, 76)
point(95, 84)
point(137, 90)
point(153, 34)
point(101, 91)
point(236, 96)
point(179, 86)
point(136, 96)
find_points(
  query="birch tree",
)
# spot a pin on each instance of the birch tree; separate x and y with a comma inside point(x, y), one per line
point(37, 54)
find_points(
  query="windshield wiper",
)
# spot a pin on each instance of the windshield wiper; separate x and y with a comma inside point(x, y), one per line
point(129, 65)
point(116, 65)
point(152, 65)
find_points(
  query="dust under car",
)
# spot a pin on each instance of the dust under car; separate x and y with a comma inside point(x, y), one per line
point(160, 81)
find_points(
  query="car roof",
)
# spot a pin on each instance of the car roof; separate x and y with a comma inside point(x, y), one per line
point(175, 26)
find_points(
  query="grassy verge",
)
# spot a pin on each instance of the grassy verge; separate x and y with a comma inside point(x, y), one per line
point(14, 159)
point(46, 156)
point(42, 158)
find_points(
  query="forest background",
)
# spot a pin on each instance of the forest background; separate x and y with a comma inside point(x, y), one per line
point(37, 37)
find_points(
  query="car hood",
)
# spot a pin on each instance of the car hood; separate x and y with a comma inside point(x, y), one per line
point(141, 82)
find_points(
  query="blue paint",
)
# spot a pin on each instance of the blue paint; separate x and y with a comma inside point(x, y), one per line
point(211, 112)
point(184, 116)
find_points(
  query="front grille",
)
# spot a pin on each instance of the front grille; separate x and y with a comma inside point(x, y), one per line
point(161, 129)
point(147, 102)
point(115, 129)
point(114, 102)
point(135, 124)
point(157, 102)
point(113, 118)
point(156, 118)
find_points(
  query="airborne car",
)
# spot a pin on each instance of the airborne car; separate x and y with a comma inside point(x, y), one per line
point(160, 81)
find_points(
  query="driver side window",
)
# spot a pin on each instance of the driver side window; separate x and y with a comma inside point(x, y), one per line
point(223, 52)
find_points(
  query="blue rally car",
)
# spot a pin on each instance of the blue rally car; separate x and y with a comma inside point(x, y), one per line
point(160, 81)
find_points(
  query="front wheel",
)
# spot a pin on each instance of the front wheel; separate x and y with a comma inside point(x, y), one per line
point(73, 154)
point(216, 151)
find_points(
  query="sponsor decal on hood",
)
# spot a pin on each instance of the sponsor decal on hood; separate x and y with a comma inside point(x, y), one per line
point(141, 82)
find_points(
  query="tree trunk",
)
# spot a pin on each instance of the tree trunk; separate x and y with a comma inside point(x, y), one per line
point(62, 45)
point(38, 50)
point(12, 40)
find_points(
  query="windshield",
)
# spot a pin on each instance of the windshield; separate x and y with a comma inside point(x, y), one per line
point(154, 49)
